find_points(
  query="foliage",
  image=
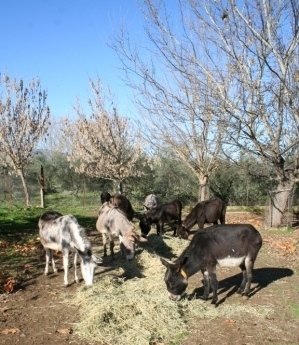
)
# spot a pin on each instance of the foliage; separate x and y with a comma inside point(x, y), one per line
point(175, 180)
point(60, 176)
point(237, 184)
point(166, 177)
point(162, 175)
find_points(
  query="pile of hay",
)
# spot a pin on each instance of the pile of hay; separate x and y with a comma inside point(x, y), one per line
point(125, 311)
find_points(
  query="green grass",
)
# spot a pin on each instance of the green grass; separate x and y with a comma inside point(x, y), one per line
point(16, 221)
point(17, 224)
point(295, 310)
point(282, 231)
point(254, 209)
point(19, 230)
point(83, 204)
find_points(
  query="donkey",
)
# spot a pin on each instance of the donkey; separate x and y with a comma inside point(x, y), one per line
point(63, 233)
point(208, 211)
point(111, 223)
point(225, 245)
point(163, 213)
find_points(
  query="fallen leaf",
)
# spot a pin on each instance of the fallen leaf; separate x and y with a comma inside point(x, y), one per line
point(10, 331)
point(4, 309)
point(288, 246)
point(230, 322)
point(4, 244)
point(64, 331)
point(9, 285)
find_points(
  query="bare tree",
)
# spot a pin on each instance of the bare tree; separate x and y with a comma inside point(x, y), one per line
point(256, 86)
point(103, 144)
point(24, 119)
point(239, 61)
point(173, 97)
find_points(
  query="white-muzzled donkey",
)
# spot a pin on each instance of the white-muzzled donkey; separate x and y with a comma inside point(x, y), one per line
point(63, 233)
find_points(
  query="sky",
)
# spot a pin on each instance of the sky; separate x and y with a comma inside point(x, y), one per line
point(65, 43)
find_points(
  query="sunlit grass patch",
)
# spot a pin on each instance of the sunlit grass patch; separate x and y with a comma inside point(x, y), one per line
point(125, 311)
point(295, 310)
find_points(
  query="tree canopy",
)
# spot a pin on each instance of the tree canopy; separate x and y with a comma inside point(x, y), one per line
point(103, 144)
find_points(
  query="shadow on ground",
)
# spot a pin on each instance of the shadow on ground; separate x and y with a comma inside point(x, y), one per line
point(262, 277)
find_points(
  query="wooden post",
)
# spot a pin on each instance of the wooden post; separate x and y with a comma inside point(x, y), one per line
point(41, 180)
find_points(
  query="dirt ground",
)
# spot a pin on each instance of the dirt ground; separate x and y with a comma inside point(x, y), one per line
point(37, 313)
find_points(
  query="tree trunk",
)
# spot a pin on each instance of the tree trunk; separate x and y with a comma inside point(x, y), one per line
point(203, 193)
point(26, 194)
point(8, 188)
point(84, 191)
point(278, 203)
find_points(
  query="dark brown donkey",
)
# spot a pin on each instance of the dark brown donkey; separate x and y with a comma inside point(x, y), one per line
point(209, 211)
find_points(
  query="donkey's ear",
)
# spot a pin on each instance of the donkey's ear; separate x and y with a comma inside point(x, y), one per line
point(139, 239)
point(181, 263)
point(185, 259)
point(167, 263)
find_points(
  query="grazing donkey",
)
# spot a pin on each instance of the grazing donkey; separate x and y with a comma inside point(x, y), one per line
point(208, 211)
point(111, 223)
point(105, 196)
point(63, 233)
point(163, 213)
point(227, 245)
point(124, 204)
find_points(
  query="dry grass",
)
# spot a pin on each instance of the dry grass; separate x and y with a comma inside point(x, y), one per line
point(125, 311)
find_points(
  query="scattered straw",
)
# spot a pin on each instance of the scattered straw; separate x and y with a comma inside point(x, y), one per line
point(118, 310)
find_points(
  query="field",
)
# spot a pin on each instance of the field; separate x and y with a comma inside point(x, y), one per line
point(129, 304)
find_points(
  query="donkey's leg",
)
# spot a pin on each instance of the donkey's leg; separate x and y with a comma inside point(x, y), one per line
point(75, 266)
point(53, 262)
point(222, 216)
point(214, 284)
point(121, 245)
point(105, 243)
point(244, 279)
point(48, 258)
point(200, 223)
point(65, 266)
point(206, 284)
point(111, 247)
point(249, 267)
